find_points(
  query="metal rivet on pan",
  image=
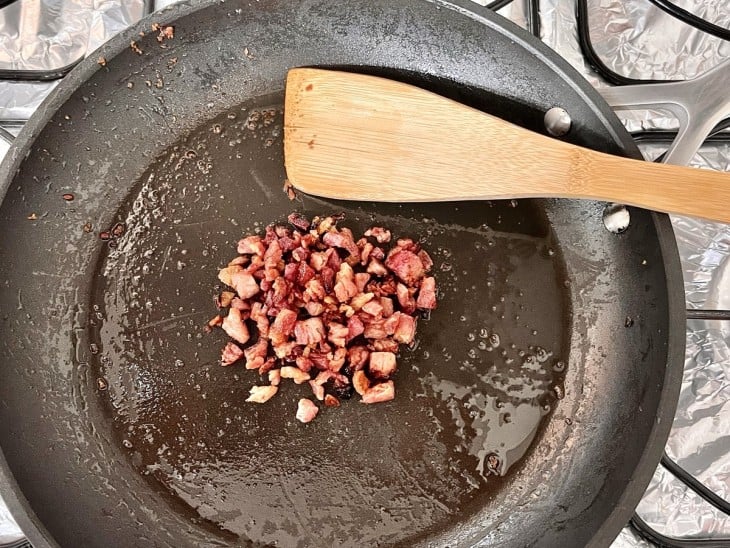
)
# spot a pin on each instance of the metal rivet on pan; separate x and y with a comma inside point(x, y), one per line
point(616, 218)
point(557, 121)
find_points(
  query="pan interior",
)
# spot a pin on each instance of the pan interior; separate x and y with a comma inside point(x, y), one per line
point(479, 383)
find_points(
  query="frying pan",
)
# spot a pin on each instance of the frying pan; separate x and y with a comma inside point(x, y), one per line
point(532, 412)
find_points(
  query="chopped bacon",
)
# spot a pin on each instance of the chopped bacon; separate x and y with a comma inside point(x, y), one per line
point(225, 298)
point(426, 260)
point(241, 305)
point(283, 326)
point(427, 294)
point(374, 308)
point(331, 401)
point(300, 254)
point(367, 249)
point(327, 308)
point(384, 345)
point(309, 332)
point(318, 260)
point(336, 360)
point(314, 290)
point(256, 354)
point(405, 331)
point(306, 410)
point(355, 327)
point(251, 245)
point(405, 299)
point(345, 287)
point(358, 357)
point(385, 391)
point(361, 280)
point(379, 233)
point(377, 268)
point(362, 299)
point(382, 364)
point(225, 274)
point(299, 221)
point(304, 363)
point(406, 265)
point(337, 334)
point(231, 353)
point(234, 327)
point(262, 394)
point(314, 308)
point(342, 240)
point(360, 382)
point(244, 284)
point(294, 373)
point(317, 390)
point(375, 329)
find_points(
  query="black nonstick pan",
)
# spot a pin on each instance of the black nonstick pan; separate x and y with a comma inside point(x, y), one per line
point(531, 412)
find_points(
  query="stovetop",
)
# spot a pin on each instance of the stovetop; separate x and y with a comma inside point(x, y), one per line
point(611, 42)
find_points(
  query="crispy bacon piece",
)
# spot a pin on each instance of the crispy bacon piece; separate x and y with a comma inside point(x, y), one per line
point(355, 327)
point(283, 326)
point(406, 265)
point(427, 294)
point(405, 330)
point(345, 288)
point(256, 354)
point(244, 284)
point(405, 299)
point(331, 401)
point(309, 332)
point(377, 268)
point(294, 373)
point(358, 357)
point(234, 327)
point(306, 410)
point(337, 334)
point(317, 390)
point(384, 345)
point(342, 239)
point(385, 391)
point(274, 377)
point(231, 353)
point(360, 382)
point(251, 245)
point(225, 298)
point(262, 394)
point(379, 233)
point(382, 364)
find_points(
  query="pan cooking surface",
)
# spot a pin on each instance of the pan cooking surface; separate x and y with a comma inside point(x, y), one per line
point(470, 397)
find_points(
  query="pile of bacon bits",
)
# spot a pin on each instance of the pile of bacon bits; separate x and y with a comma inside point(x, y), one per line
point(312, 304)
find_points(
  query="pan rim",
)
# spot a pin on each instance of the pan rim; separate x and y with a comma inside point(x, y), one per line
point(20, 507)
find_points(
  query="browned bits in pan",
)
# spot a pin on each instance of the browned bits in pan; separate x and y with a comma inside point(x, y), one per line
point(316, 306)
point(135, 48)
point(87, 228)
point(101, 61)
point(105, 235)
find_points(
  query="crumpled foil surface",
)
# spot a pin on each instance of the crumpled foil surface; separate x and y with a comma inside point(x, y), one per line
point(634, 39)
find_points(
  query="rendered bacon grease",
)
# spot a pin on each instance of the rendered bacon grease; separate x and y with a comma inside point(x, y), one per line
point(311, 304)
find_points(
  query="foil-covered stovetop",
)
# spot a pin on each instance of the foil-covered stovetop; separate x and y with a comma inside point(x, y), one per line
point(632, 38)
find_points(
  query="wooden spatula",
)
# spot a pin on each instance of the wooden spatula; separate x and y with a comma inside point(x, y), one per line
point(357, 137)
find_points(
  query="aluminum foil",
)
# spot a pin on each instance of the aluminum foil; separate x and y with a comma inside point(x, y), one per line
point(633, 38)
